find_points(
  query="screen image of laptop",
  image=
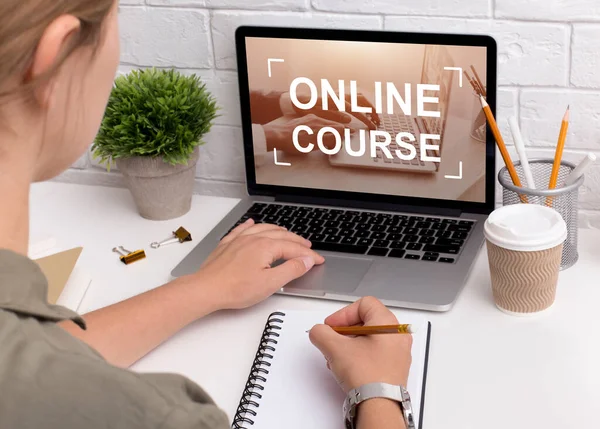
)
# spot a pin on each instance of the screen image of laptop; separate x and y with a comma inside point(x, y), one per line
point(397, 122)
point(363, 142)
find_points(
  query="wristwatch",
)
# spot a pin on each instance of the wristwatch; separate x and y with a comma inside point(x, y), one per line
point(378, 390)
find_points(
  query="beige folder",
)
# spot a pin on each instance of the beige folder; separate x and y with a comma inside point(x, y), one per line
point(58, 268)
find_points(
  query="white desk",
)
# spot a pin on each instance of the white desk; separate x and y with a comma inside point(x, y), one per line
point(487, 370)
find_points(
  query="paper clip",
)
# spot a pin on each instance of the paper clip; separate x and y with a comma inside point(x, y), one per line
point(181, 235)
point(129, 257)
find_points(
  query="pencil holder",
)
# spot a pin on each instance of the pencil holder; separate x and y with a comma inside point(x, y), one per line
point(563, 199)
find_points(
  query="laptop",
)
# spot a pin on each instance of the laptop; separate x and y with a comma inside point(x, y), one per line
point(362, 142)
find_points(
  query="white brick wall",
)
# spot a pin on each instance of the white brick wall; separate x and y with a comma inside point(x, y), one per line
point(549, 56)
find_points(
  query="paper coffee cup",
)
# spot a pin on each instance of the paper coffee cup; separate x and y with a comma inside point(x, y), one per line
point(524, 243)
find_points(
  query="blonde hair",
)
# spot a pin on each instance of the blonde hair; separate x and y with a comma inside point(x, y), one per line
point(22, 24)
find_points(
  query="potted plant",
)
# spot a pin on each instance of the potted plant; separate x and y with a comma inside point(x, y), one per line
point(152, 130)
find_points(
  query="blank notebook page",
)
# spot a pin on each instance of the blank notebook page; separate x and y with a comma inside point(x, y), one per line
point(300, 392)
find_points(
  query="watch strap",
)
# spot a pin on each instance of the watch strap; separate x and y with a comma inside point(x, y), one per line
point(378, 390)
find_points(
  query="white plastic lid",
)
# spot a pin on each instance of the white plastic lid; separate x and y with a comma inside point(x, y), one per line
point(525, 227)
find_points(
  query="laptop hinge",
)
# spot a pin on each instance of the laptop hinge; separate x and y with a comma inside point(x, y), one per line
point(382, 206)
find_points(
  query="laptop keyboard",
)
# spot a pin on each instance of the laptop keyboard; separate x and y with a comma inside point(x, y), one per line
point(423, 238)
point(395, 124)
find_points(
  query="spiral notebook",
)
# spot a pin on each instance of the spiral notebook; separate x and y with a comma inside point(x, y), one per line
point(290, 387)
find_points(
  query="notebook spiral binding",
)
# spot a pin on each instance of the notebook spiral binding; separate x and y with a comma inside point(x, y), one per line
point(249, 403)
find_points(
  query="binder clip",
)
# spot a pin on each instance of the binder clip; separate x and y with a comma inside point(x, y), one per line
point(128, 257)
point(181, 235)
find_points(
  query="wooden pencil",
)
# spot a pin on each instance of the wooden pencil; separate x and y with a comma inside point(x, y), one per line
point(562, 137)
point(374, 330)
point(480, 90)
point(502, 146)
point(479, 81)
point(475, 88)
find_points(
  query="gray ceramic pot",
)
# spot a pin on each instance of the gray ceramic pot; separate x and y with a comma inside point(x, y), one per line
point(161, 191)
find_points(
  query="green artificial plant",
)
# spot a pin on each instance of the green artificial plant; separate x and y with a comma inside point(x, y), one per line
point(155, 113)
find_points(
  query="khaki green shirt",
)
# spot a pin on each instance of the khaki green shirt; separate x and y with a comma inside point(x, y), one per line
point(50, 380)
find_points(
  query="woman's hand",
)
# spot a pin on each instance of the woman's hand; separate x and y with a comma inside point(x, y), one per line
point(366, 359)
point(279, 134)
point(239, 270)
point(334, 114)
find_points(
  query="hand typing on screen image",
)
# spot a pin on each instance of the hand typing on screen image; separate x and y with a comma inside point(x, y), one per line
point(268, 107)
point(355, 361)
point(332, 112)
point(278, 134)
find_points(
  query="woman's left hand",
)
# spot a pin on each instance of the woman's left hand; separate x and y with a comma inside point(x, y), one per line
point(239, 270)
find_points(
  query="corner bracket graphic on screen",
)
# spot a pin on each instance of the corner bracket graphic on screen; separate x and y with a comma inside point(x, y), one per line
point(370, 117)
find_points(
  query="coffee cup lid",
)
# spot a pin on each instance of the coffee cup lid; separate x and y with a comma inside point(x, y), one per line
point(525, 227)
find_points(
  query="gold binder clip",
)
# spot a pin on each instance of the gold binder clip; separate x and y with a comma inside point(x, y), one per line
point(181, 235)
point(129, 257)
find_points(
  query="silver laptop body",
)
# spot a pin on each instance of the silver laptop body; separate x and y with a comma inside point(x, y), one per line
point(408, 249)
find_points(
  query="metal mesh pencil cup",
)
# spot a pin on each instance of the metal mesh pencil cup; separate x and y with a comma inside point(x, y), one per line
point(563, 199)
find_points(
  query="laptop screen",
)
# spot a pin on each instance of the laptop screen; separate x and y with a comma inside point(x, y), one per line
point(369, 117)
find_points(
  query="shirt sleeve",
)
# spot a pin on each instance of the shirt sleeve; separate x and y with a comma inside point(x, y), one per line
point(265, 106)
point(51, 380)
point(194, 410)
point(259, 140)
point(201, 417)
point(286, 105)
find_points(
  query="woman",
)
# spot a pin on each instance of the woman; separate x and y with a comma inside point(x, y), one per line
point(59, 370)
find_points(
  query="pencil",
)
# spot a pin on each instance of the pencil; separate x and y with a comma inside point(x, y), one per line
point(559, 150)
point(479, 81)
point(580, 169)
point(475, 88)
point(520, 147)
point(500, 142)
point(562, 137)
point(480, 90)
point(478, 87)
point(375, 330)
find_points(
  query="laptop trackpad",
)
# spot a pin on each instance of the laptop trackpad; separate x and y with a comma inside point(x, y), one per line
point(340, 275)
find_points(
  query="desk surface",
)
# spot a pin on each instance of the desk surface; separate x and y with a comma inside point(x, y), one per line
point(487, 369)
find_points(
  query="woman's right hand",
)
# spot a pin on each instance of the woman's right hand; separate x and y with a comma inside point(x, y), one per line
point(239, 273)
point(356, 361)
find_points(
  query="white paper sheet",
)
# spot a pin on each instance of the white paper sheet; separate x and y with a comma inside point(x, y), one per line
point(301, 392)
